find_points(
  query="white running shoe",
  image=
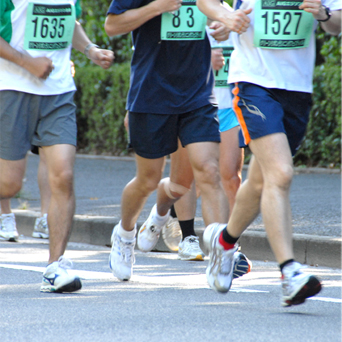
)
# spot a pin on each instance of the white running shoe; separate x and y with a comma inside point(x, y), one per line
point(209, 234)
point(172, 233)
point(297, 286)
point(8, 228)
point(57, 279)
point(121, 258)
point(41, 229)
point(224, 265)
point(189, 249)
point(149, 232)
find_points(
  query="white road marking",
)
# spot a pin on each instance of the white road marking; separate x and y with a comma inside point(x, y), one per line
point(93, 275)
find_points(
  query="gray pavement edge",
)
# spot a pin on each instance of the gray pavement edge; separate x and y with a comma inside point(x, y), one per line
point(95, 230)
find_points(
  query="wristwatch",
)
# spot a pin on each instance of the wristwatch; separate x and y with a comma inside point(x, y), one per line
point(328, 12)
point(88, 47)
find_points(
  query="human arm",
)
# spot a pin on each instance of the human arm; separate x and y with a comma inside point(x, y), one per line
point(103, 58)
point(131, 19)
point(237, 21)
point(217, 59)
point(333, 25)
point(40, 67)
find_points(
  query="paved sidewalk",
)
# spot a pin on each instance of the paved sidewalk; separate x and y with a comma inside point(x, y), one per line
point(315, 200)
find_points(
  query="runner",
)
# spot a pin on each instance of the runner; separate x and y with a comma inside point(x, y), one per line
point(36, 95)
point(272, 68)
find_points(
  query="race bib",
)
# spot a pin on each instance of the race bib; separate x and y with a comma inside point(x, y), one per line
point(279, 24)
point(188, 23)
point(221, 76)
point(49, 26)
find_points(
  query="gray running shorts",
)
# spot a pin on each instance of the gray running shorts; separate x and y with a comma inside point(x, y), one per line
point(28, 119)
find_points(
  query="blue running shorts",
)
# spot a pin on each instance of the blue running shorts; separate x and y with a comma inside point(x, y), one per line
point(227, 119)
point(262, 111)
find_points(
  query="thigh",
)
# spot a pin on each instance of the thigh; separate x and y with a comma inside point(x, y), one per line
point(59, 158)
point(19, 114)
point(153, 135)
point(231, 155)
point(149, 170)
point(12, 173)
point(199, 125)
point(258, 111)
point(57, 124)
point(180, 169)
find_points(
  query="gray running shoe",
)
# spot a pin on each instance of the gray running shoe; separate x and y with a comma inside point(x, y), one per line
point(41, 229)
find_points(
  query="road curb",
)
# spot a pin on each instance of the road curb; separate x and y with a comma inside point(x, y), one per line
point(308, 249)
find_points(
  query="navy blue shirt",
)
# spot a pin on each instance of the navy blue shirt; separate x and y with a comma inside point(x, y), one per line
point(167, 77)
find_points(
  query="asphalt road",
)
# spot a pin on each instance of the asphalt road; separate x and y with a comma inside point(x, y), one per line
point(315, 197)
point(166, 300)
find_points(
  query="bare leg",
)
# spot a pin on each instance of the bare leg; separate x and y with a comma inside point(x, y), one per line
point(60, 163)
point(274, 166)
point(180, 173)
point(11, 177)
point(5, 206)
point(136, 192)
point(231, 162)
point(43, 183)
point(204, 161)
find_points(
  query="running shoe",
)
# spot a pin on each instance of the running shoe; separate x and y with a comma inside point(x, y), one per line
point(224, 265)
point(56, 277)
point(172, 234)
point(189, 249)
point(297, 286)
point(8, 228)
point(41, 229)
point(149, 232)
point(121, 258)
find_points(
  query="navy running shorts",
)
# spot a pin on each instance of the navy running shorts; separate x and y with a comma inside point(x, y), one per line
point(262, 111)
point(156, 135)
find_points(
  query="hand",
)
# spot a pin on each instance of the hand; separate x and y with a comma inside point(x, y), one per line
point(315, 7)
point(40, 67)
point(126, 122)
point(238, 21)
point(217, 59)
point(101, 57)
point(168, 5)
point(221, 31)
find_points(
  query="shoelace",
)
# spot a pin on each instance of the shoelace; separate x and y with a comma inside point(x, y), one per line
point(127, 253)
point(225, 263)
point(65, 263)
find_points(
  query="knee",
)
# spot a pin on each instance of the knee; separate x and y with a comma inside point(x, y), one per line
point(281, 177)
point(62, 180)
point(173, 190)
point(147, 183)
point(209, 173)
point(10, 188)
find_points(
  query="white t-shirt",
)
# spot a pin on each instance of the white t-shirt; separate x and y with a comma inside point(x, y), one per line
point(223, 95)
point(14, 77)
point(290, 69)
